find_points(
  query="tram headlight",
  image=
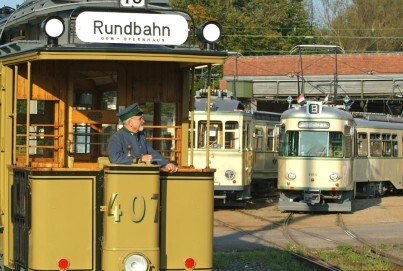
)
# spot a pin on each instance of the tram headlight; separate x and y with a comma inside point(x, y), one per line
point(229, 174)
point(136, 262)
point(291, 175)
point(54, 29)
point(334, 176)
point(209, 32)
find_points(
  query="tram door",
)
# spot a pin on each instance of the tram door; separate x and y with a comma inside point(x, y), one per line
point(247, 151)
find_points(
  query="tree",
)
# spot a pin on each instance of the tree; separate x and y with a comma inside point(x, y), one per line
point(364, 25)
point(254, 27)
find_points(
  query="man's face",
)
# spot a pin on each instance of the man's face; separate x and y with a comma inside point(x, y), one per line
point(136, 124)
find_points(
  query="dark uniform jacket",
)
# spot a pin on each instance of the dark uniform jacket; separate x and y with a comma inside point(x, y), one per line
point(124, 141)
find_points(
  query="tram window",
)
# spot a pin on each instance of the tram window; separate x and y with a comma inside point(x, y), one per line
point(107, 131)
point(42, 133)
point(201, 134)
point(313, 143)
point(82, 138)
point(292, 143)
point(348, 146)
point(348, 141)
point(386, 145)
point(94, 121)
point(282, 142)
point(231, 137)
point(335, 144)
point(277, 136)
point(191, 135)
point(95, 90)
point(394, 146)
point(259, 139)
point(362, 144)
point(375, 144)
point(270, 139)
point(109, 100)
point(166, 131)
point(92, 140)
point(245, 135)
point(402, 145)
point(215, 135)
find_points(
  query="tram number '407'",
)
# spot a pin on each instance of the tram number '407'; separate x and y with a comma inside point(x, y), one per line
point(137, 208)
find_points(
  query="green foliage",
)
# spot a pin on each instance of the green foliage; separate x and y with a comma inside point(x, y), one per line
point(254, 27)
point(354, 259)
point(364, 25)
point(344, 257)
point(268, 259)
point(271, 27)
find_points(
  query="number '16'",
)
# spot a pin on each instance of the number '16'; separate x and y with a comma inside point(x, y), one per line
point(132, 2)
point(137, 208)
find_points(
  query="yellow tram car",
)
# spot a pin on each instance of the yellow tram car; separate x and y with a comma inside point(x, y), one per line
point(66, 69)
point(242, 147)
point(328, 157)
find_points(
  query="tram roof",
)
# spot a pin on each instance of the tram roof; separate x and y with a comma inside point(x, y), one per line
point(19, 46)
point(220, 104)
point(126, 53)
point(327, 113)
point(364, 123)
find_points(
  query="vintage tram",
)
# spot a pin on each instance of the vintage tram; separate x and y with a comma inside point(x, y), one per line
point(327, 157)
point(66, 69)
point(242, 147)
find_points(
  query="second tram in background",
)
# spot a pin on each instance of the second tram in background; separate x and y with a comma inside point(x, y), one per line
point(327, 157)
point(243, 148)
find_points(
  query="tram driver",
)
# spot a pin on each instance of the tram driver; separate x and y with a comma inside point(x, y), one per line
point(128, 144)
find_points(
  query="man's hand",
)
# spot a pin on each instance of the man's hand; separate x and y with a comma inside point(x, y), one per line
point(171, 168)
point(146, 158)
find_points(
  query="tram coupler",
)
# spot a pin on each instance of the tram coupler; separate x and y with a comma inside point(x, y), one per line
point(312, 196)
point(221, 197)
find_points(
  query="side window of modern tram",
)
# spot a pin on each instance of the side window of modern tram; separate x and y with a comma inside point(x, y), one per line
point(380, 145)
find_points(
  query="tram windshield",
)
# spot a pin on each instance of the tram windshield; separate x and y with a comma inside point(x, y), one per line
point(313, 144)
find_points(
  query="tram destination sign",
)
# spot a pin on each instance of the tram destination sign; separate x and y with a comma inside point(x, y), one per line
point(131, 28)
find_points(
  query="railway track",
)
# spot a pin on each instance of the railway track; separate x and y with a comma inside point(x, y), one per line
point(290, 234)
point(396, 260)
point(373, 249)
point(309, 254)
point(318, 263)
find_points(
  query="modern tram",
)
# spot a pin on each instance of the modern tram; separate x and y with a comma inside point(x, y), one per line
point(67, 67)
point(242, 147)
point(328, 156)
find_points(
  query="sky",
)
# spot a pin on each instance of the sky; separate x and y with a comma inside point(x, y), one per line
point(10, 3)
